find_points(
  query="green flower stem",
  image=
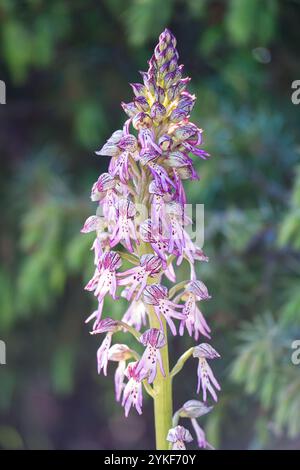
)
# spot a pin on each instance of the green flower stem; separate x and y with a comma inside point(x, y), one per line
point(181, 361)
point(162, 386)
point(163, 406)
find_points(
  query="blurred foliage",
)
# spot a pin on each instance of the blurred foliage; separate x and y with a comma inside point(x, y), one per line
point(67, 66)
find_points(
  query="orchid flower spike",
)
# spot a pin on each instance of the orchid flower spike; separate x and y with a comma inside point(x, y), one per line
point(140, 234)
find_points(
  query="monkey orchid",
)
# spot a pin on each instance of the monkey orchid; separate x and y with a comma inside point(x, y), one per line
point(133, 395)
point(154, 340)
point(137, 277)
point(141, 225)
point(178, 436)
point(194, 320)
point(157, 295)
point(206, 377)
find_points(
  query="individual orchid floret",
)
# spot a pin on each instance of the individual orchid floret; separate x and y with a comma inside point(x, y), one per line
point(154, 340)
point(136, 314)
point(133, 394)
point(104, 192)
point(206, 378)
point(120, 167)
point(110, 148)
point(193, 409)
point(119, 353)
point(194, 320)
point(147, 141)
point(157, 241)
point(105, 183)
point(178, 436)
point(124, 228)
point(157, 295)
point(93, 223)
point(120, 164)
point(160, 175)
point(104, 280)
point(136, 278)
point(158, 208)
point(102, 354)
point(176, 233)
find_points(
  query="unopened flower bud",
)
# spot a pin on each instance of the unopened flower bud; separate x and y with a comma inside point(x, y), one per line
point(141, 120)
point(165, 142)
point(129, 143)
point(158, 111)
point(129, 108)
point(141, 103)
point(138, 89)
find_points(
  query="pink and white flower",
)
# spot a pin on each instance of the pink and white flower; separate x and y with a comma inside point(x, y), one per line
point(178, 436)
point(124, 228)
point(154, 340)
point(206, 378)
point(137, 277)
point(194, 320)
point(102, 354)
point(157, 295)
point(104, 280)
point(133, 394)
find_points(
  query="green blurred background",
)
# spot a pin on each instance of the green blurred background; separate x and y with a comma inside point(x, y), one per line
point(67, 66)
